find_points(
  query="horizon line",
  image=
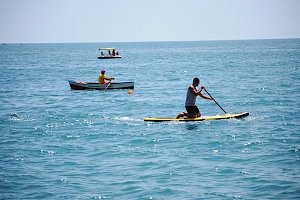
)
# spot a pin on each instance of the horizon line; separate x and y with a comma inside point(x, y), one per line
point(149, 41)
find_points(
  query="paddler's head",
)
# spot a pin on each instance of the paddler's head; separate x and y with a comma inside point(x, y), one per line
point(196, 82)
point(102, 71)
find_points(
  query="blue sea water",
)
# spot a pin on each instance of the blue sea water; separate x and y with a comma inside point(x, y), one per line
point(57, 143)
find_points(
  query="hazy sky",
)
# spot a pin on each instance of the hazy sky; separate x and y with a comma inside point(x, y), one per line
point(23, 21)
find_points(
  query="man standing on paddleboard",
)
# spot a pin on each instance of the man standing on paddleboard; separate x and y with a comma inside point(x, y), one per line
point(190, 102)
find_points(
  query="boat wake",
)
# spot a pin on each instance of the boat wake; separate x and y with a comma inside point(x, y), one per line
point(120, 120)
point(128, 120)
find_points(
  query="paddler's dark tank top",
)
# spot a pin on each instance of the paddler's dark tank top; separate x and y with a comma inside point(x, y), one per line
point(190, 98)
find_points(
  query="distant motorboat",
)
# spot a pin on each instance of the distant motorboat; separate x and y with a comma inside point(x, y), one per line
point(108, 53)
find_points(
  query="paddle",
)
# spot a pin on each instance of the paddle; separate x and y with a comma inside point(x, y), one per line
point(108, 84)
point(214, 100)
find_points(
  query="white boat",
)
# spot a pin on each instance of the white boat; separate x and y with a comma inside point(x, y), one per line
point(107, 53)
point(82, 85)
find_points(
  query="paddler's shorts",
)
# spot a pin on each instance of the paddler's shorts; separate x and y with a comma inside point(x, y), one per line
point(192, 110)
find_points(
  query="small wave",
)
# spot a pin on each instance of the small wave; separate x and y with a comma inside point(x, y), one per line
point(49, 152)
point(294, 149)
point(251, 144)
point(101, 197)
point(16, 117)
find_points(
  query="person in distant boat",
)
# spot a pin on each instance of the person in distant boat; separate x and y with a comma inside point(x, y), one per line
point(109, 52)
point(190, 102)
point(113, 52)
point(102, 54)
point(102, 79)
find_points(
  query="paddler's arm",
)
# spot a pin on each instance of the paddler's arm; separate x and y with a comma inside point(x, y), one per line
point(109, 79)
point(194, 90)
point(202, 95)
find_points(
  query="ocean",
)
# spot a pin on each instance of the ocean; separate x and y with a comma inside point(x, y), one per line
point(58, 143)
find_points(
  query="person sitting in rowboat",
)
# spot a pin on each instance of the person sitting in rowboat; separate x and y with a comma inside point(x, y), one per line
point(190, 102)
point(103, 78)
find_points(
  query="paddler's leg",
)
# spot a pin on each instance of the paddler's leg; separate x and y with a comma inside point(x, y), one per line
point(191, 115)
point(193, 111)
point(181, 115)
point(197, 112)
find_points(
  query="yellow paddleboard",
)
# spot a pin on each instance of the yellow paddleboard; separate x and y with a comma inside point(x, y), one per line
point(203, 118)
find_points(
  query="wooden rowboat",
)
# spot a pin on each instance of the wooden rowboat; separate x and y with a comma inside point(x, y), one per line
point(81, 85)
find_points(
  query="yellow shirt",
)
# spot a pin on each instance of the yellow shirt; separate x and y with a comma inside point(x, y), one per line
point(102, 78)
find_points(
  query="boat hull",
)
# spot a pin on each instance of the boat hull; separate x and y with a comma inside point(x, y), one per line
point(108, 57)
point(80, 85)
point(203, 118)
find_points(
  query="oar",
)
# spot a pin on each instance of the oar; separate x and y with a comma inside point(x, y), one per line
point(108, 84)
point(214, 100)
